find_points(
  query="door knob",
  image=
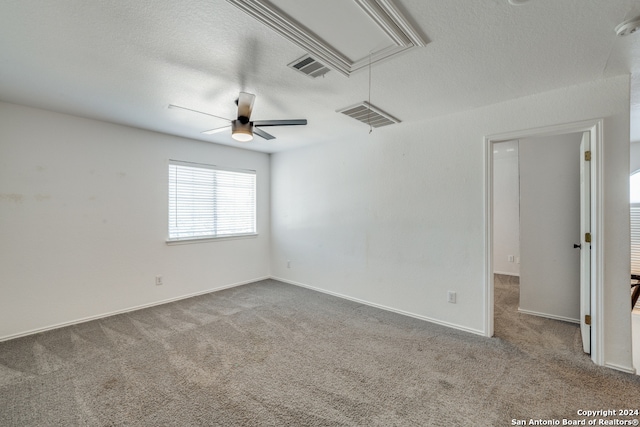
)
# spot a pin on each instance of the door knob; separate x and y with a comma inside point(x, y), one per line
point(579, 246)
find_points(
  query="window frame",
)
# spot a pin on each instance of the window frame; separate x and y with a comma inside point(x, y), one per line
point(210, 237)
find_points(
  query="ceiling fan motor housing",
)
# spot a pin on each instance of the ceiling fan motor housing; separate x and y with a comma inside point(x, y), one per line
point(240, 131)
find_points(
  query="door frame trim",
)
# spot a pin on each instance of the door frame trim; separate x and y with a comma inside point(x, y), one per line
point(595, 128)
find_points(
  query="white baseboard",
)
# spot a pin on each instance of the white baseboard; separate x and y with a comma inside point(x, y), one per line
point(628, 370)
point(127, 310)
point(383, 307)
point(504, 273)
point(549, 316)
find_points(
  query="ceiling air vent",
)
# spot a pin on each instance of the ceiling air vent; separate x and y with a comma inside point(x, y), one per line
point(309, 66)
point(369, 114)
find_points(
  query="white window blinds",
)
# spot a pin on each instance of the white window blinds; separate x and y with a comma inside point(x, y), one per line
point(635, 239)
point(634, 198)
point(207, 201)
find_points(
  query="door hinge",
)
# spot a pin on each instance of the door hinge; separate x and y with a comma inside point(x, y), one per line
point(587, 319)
point(587, 237)
point(587, 156)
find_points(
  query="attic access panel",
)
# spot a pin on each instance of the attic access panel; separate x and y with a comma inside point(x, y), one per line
point(342, 34)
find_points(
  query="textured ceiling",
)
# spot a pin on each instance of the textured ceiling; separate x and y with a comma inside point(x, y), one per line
point(125, 62)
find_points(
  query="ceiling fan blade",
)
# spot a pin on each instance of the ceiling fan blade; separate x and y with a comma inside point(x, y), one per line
point(196, 111)
point(245, 104)
point(216, 130)
point(263, 134)
point(293, 122)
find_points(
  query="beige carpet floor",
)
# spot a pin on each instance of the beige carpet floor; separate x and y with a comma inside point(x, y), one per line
point(272, 354)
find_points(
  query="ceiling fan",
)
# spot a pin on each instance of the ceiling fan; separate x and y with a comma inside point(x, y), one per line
point(242, 128)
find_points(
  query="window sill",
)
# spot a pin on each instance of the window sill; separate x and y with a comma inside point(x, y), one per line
point(210, 239)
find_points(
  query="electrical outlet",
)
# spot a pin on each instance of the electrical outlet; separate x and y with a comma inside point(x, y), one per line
point(158, 280)
point(451, 297)
point(288, 264)
point(510, 258)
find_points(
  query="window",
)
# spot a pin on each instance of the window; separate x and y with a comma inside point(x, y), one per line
point(206, 201)
point(634, 198)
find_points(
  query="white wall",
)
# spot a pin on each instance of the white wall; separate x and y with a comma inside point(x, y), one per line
point(635, 156)
point(396, 218)
point(83, 208)
point(550, 225)
point(506, 209)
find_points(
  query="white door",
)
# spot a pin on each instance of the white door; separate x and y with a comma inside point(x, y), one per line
point(585, 244)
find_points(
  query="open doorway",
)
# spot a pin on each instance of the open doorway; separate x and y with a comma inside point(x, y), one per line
point(549, 169)
point(571, 304)
point(537, 211)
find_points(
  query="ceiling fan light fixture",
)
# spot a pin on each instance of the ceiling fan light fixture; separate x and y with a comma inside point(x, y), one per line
point(241, 132)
